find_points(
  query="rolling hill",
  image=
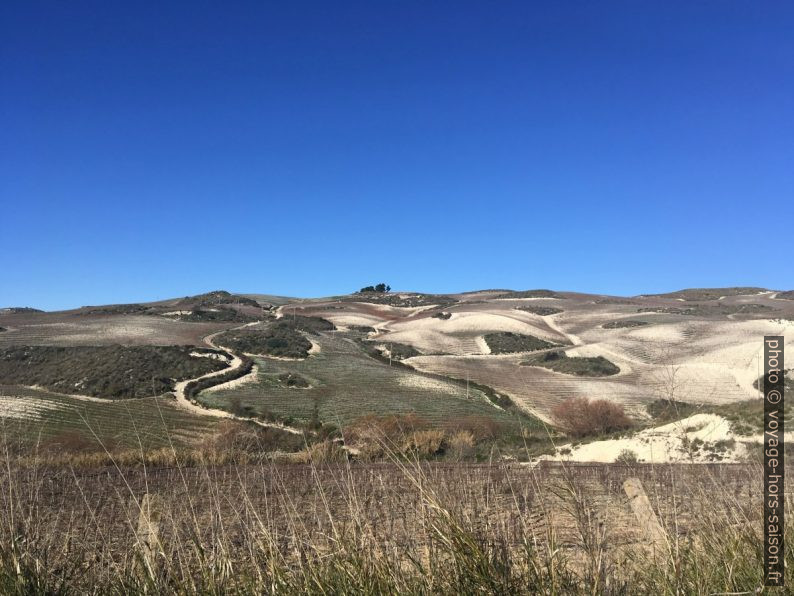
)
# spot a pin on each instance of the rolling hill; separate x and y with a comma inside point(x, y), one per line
point(499, 355)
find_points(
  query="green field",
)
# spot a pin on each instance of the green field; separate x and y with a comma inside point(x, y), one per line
point(346, 384)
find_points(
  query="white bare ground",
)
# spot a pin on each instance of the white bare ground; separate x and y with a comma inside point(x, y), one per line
point(215, 356)
point(343, 319)
point(458, 335)
point(25, 408)
point(554, 324)
point(483, 345)
point(670, 443)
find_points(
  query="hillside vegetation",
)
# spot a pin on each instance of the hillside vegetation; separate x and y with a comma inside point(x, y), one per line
point(624, 324)
point(115, 372)
point(710, 310)
point(279, 339)
point(560, 362)
point(404, 300)
point(507, 342)
point(216, 298)
point(529, 294)
point(542, 311)
point(698, 294)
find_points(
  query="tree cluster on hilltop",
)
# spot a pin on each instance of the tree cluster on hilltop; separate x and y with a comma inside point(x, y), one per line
point(381, 288)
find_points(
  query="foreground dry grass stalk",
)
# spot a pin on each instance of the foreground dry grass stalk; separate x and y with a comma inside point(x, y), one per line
point(403, 526)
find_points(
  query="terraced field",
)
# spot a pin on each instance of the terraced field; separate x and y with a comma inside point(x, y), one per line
point(32, 416)
point(345, 384)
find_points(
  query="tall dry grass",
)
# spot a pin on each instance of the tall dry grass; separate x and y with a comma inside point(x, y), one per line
point(329, 526)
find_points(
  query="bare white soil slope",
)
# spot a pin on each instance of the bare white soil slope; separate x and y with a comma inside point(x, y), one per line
point(701, 438)
point(696, 350)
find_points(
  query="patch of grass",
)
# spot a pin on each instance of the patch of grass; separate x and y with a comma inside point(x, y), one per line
point(788, 295)
point(115, 372)
point(624, 324)
point(747, 417)
point(665, 410)
point(506, 343)
point(574, 365)
point(542, 311)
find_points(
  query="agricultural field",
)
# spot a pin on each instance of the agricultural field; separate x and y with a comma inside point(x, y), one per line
point(344, 383)
point(52, 422)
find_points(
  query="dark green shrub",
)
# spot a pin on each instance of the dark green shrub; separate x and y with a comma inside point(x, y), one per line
point(506, 342)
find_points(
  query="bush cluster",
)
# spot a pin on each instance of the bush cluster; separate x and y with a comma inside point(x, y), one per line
point(624, 324)
point(402, 300)
point(581, 417)
point(381, 288)
point(507, 342)
point(279, 339)
point(312, 325)
point(560, 362)
point(375, 437)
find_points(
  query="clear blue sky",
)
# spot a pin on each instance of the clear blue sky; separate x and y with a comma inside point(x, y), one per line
point(152, 150)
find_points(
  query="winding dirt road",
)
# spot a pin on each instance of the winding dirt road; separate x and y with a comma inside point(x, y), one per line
point(235, 362)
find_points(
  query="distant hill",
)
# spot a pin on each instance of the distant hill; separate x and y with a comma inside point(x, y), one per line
point(15, 310)
point(695, 294)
